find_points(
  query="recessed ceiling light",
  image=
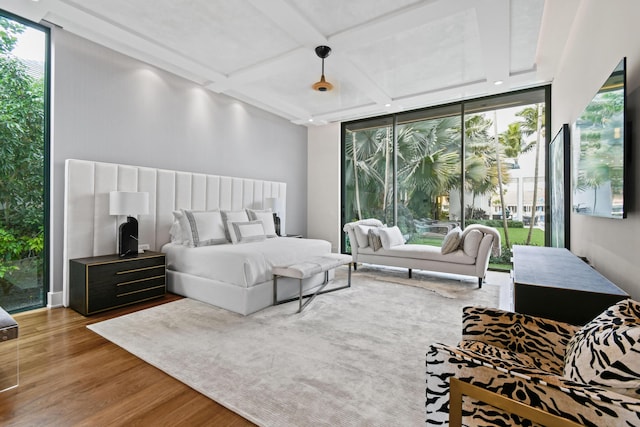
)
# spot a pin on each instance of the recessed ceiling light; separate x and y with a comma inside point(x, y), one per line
point(498, 82)
point(387, 105)
point(310, 120)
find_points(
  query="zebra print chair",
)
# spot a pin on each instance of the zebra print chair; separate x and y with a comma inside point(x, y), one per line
point(589, 375)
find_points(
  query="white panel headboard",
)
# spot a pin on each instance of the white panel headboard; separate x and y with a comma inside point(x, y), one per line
point(89, 230)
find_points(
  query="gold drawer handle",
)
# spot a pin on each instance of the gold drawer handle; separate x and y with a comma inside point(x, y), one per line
point(140, 269)
point(146, 279)
point(138, 291)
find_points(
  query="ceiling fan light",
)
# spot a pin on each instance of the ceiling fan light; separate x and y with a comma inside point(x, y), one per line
point(322, 85)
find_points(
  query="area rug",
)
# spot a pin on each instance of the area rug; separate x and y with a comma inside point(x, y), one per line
point(354, 357)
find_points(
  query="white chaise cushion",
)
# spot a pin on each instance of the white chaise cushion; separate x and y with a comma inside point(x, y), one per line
point(422, 252)
point(362, 234)
point(451, 241)
point(391, 236)
point(471, 242)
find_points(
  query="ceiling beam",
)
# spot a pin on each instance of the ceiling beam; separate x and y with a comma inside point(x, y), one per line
point(291, 22)
point(100, 30)
point(390, 25)
point(274, 66)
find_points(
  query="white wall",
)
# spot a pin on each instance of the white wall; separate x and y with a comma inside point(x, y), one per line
point(111, 108)
point(323, 205)
point(603, 32)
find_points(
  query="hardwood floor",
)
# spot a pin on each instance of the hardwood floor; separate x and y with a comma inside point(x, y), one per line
point(70, 376)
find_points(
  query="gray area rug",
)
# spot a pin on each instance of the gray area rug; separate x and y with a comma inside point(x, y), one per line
point(354, 357)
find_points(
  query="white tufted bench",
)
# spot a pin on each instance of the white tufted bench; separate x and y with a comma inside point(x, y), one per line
point(308, 268)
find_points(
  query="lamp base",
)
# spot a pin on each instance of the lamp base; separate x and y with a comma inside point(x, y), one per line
point(276, 223)
point(128, 238)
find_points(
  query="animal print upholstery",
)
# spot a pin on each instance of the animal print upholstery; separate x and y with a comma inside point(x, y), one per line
point(544, 341)
point(606, 351)
point(503, 352)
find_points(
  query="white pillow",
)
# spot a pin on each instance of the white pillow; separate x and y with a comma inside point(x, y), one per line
point(391, 236)
point(362, 234)
point(248, 231)
point(232, 216)
point(451, 241)
point(201, 228)
point(471, 242)
point(266, 216)
point(175, 232)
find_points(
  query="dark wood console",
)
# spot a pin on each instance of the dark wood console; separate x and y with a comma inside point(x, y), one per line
point(105, 282)
point(555, 284)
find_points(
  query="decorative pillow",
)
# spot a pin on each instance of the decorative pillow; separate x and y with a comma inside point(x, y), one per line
point(232, 216)
point(175, 232)
point(391, 236)
point(266, 216)
point(201, 228)
point(249, 231)
point(374, 238)
point(470, 244)
point(362, 234)
point(451, 241)
point(606, 351)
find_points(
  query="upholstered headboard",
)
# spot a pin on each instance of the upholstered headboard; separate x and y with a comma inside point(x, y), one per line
point(89, 230)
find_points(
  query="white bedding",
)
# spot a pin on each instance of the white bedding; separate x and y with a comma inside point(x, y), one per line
point(244, 264)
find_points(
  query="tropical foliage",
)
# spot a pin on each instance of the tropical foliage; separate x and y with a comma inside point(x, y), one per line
point(425, 156)
point(21, 158)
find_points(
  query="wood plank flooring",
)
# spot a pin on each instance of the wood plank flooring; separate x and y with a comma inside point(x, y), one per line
point(71, 376)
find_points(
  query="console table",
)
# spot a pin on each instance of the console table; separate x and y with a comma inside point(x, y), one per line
point(555, 284)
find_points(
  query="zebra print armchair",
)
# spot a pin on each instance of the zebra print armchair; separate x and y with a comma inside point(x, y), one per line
point(589, 375)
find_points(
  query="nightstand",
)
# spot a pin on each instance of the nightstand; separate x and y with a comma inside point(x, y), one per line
point(105, 282)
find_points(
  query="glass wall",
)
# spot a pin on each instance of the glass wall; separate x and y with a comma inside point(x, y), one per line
point(431, 170)
point(23, 163)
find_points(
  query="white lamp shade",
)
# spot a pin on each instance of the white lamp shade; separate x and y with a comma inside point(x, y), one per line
point(128, 203)
point(275, 204)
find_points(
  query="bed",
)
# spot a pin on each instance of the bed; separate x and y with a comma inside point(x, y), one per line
point(242, 286)
point(238, 277)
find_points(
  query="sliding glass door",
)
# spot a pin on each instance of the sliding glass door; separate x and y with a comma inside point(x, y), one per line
point(23, 163)
point(430, 170)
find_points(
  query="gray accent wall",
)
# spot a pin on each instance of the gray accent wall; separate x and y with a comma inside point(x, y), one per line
point(109, 107)
point(602, 34)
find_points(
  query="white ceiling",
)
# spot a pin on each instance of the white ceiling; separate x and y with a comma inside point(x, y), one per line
point(386, 55)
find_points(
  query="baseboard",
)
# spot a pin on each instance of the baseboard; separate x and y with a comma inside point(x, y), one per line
point(54, 299)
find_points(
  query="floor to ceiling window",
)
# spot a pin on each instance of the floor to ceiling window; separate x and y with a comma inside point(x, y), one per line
point(23, 163)
point(430, 170)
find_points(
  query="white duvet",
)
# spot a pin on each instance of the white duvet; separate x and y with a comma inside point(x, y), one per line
point(245, 264)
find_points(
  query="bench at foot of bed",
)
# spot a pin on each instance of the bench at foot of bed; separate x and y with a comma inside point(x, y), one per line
point(307, 268)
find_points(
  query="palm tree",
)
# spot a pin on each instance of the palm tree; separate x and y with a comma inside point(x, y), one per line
point(533, 123)
point(428, 162)
point(364, 171)
point(498, 153)
point(480, 173)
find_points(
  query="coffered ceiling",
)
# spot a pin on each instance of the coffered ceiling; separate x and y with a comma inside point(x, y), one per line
point(386, 55)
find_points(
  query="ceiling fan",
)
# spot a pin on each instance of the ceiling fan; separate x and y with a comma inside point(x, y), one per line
point(322, 85)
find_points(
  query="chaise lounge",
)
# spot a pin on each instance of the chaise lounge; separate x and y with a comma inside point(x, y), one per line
point(463, 252)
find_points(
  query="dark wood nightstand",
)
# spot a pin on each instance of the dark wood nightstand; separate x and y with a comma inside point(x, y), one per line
point(105, 282)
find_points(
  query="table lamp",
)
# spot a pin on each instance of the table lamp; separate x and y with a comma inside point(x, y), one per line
point(277, 207)
point(128, 203)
